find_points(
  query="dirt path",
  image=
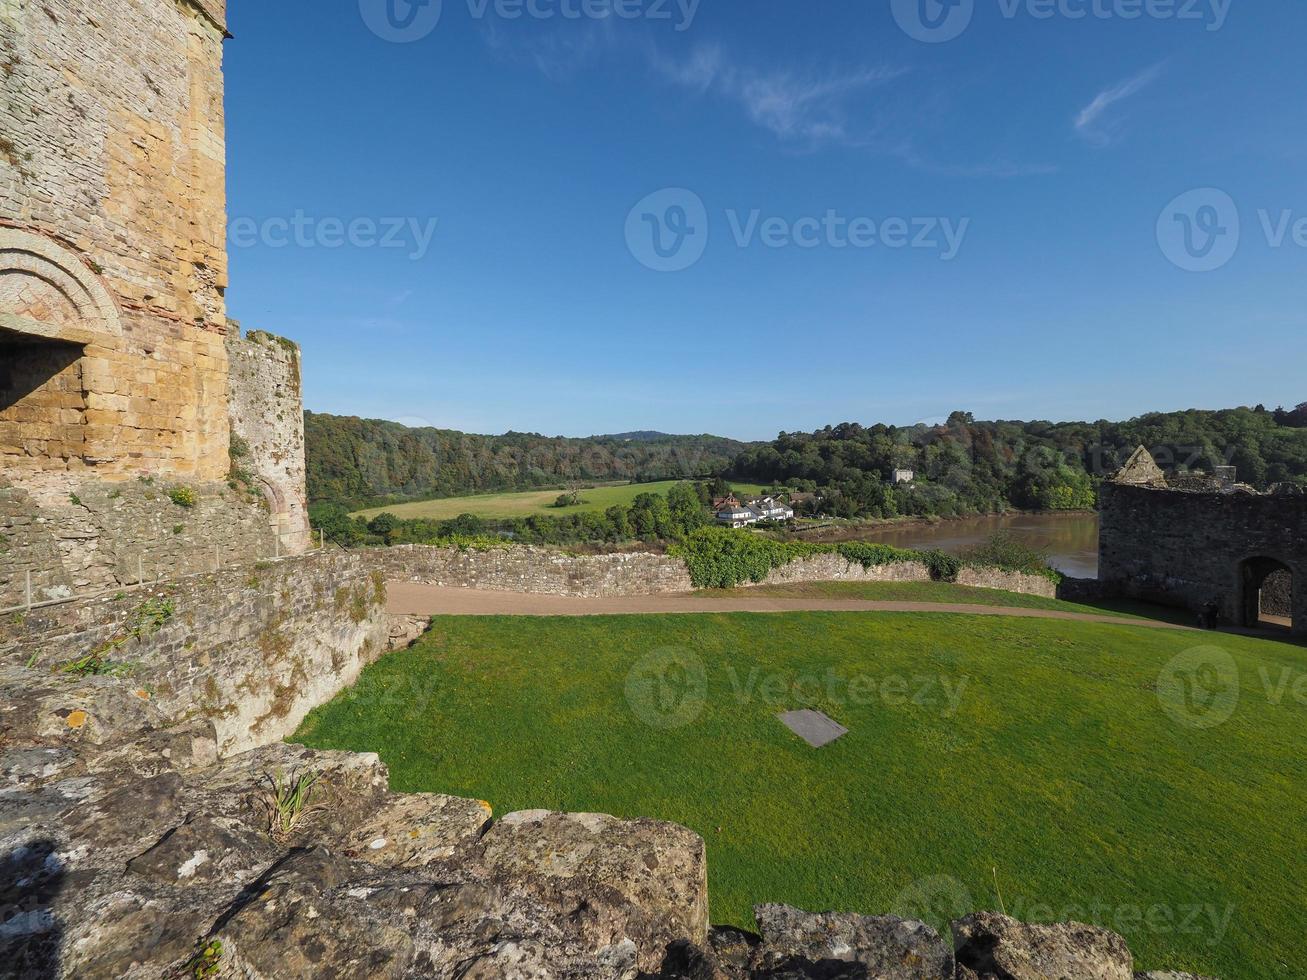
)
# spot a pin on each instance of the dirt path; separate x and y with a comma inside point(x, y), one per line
point(406, 598)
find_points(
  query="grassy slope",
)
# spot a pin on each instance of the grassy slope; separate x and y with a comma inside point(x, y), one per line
point(525, 503)
point(1058, 769)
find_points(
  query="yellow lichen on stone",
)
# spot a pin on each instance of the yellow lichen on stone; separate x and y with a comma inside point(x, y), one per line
point(78, 719)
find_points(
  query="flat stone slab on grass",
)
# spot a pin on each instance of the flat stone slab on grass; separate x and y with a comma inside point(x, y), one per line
point(813, 727)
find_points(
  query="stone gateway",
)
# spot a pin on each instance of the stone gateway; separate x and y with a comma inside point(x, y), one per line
point(1194, 542)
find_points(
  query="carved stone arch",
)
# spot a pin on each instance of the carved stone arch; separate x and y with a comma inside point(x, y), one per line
point(48, 293)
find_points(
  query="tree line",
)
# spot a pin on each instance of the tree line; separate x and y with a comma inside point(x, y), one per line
point(650, 517)
point(362, 463)
point(967, 467)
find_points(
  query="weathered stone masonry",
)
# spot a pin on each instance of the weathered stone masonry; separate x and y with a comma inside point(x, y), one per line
point(1188, 547)
point(115, 349)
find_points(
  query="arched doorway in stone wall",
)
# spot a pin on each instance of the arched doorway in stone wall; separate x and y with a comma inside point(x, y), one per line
point(52, 306)
point(1267, 599)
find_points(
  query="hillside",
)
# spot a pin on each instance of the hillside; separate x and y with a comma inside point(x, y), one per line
point(968, 467)
point(361, 462)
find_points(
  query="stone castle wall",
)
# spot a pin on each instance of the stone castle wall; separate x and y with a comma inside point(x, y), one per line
point(117, 361)
point(267, 419)
point(1186, 549)
point(112, 241)
point(542, 570)
point(251, 650)
point(539, 570)
point(102, 536)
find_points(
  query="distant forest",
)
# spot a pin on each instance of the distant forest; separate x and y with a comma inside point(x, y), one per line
point(967, 467)
point(366, 462)
point(960, 467)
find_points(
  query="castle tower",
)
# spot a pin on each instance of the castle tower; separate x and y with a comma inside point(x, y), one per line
point(115, 348)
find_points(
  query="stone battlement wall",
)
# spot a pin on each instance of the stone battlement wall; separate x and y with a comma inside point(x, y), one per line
point(250, 650)
point(92, 536)
point(267, 424)
point(1186, 549)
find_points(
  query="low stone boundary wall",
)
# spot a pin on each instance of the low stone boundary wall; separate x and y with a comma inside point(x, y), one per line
point(253, 650)
point(545, 571)
point(996, 578)
point(837, 568)
point(530, 569)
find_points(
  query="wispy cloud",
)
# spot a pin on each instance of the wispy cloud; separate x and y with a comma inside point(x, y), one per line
point(1091, 122)
point(804, 108)
point(555, 52)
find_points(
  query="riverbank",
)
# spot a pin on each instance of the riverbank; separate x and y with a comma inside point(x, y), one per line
point(1069, 538)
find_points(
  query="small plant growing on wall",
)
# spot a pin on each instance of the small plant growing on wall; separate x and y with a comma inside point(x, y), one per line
point(288, 800)
point(183, 497)
point(207, 962)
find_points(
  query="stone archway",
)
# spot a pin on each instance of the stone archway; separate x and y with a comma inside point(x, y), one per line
point(52, 306)
point(48, 293)
point(1267, 593)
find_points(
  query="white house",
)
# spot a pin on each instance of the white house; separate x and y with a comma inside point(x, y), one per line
point(764, 509)
point(904, 476)
point(736, 515)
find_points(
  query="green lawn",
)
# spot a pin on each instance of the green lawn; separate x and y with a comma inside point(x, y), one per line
point(947, 592)
point(1056, 773)
point(526, 503)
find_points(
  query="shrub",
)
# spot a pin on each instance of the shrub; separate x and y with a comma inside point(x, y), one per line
point(721, 558)
point(183, 497)
point(1006, 551)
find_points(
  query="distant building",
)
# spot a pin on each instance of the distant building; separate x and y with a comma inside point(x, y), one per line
point(1205, 542)
point(736, 515)
point(904, 476)
point(743, 515)
point(722, 503)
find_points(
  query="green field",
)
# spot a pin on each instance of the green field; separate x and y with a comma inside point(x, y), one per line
point(948, 592)
point(1044, 758)
point(526, 503)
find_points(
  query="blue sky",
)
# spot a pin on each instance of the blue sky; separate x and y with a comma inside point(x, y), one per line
point(1061, 153)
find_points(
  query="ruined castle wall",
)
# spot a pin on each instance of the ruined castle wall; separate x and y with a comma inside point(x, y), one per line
point(102, 535)
point(542, 570)
point(1186, 549)
point(112, 239)
point(268, 418)
point(252, 649)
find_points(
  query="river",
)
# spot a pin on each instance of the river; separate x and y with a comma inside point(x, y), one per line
point(1070, 540)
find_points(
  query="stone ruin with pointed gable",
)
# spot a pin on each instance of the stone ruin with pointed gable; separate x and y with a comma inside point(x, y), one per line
point(1191, 540)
